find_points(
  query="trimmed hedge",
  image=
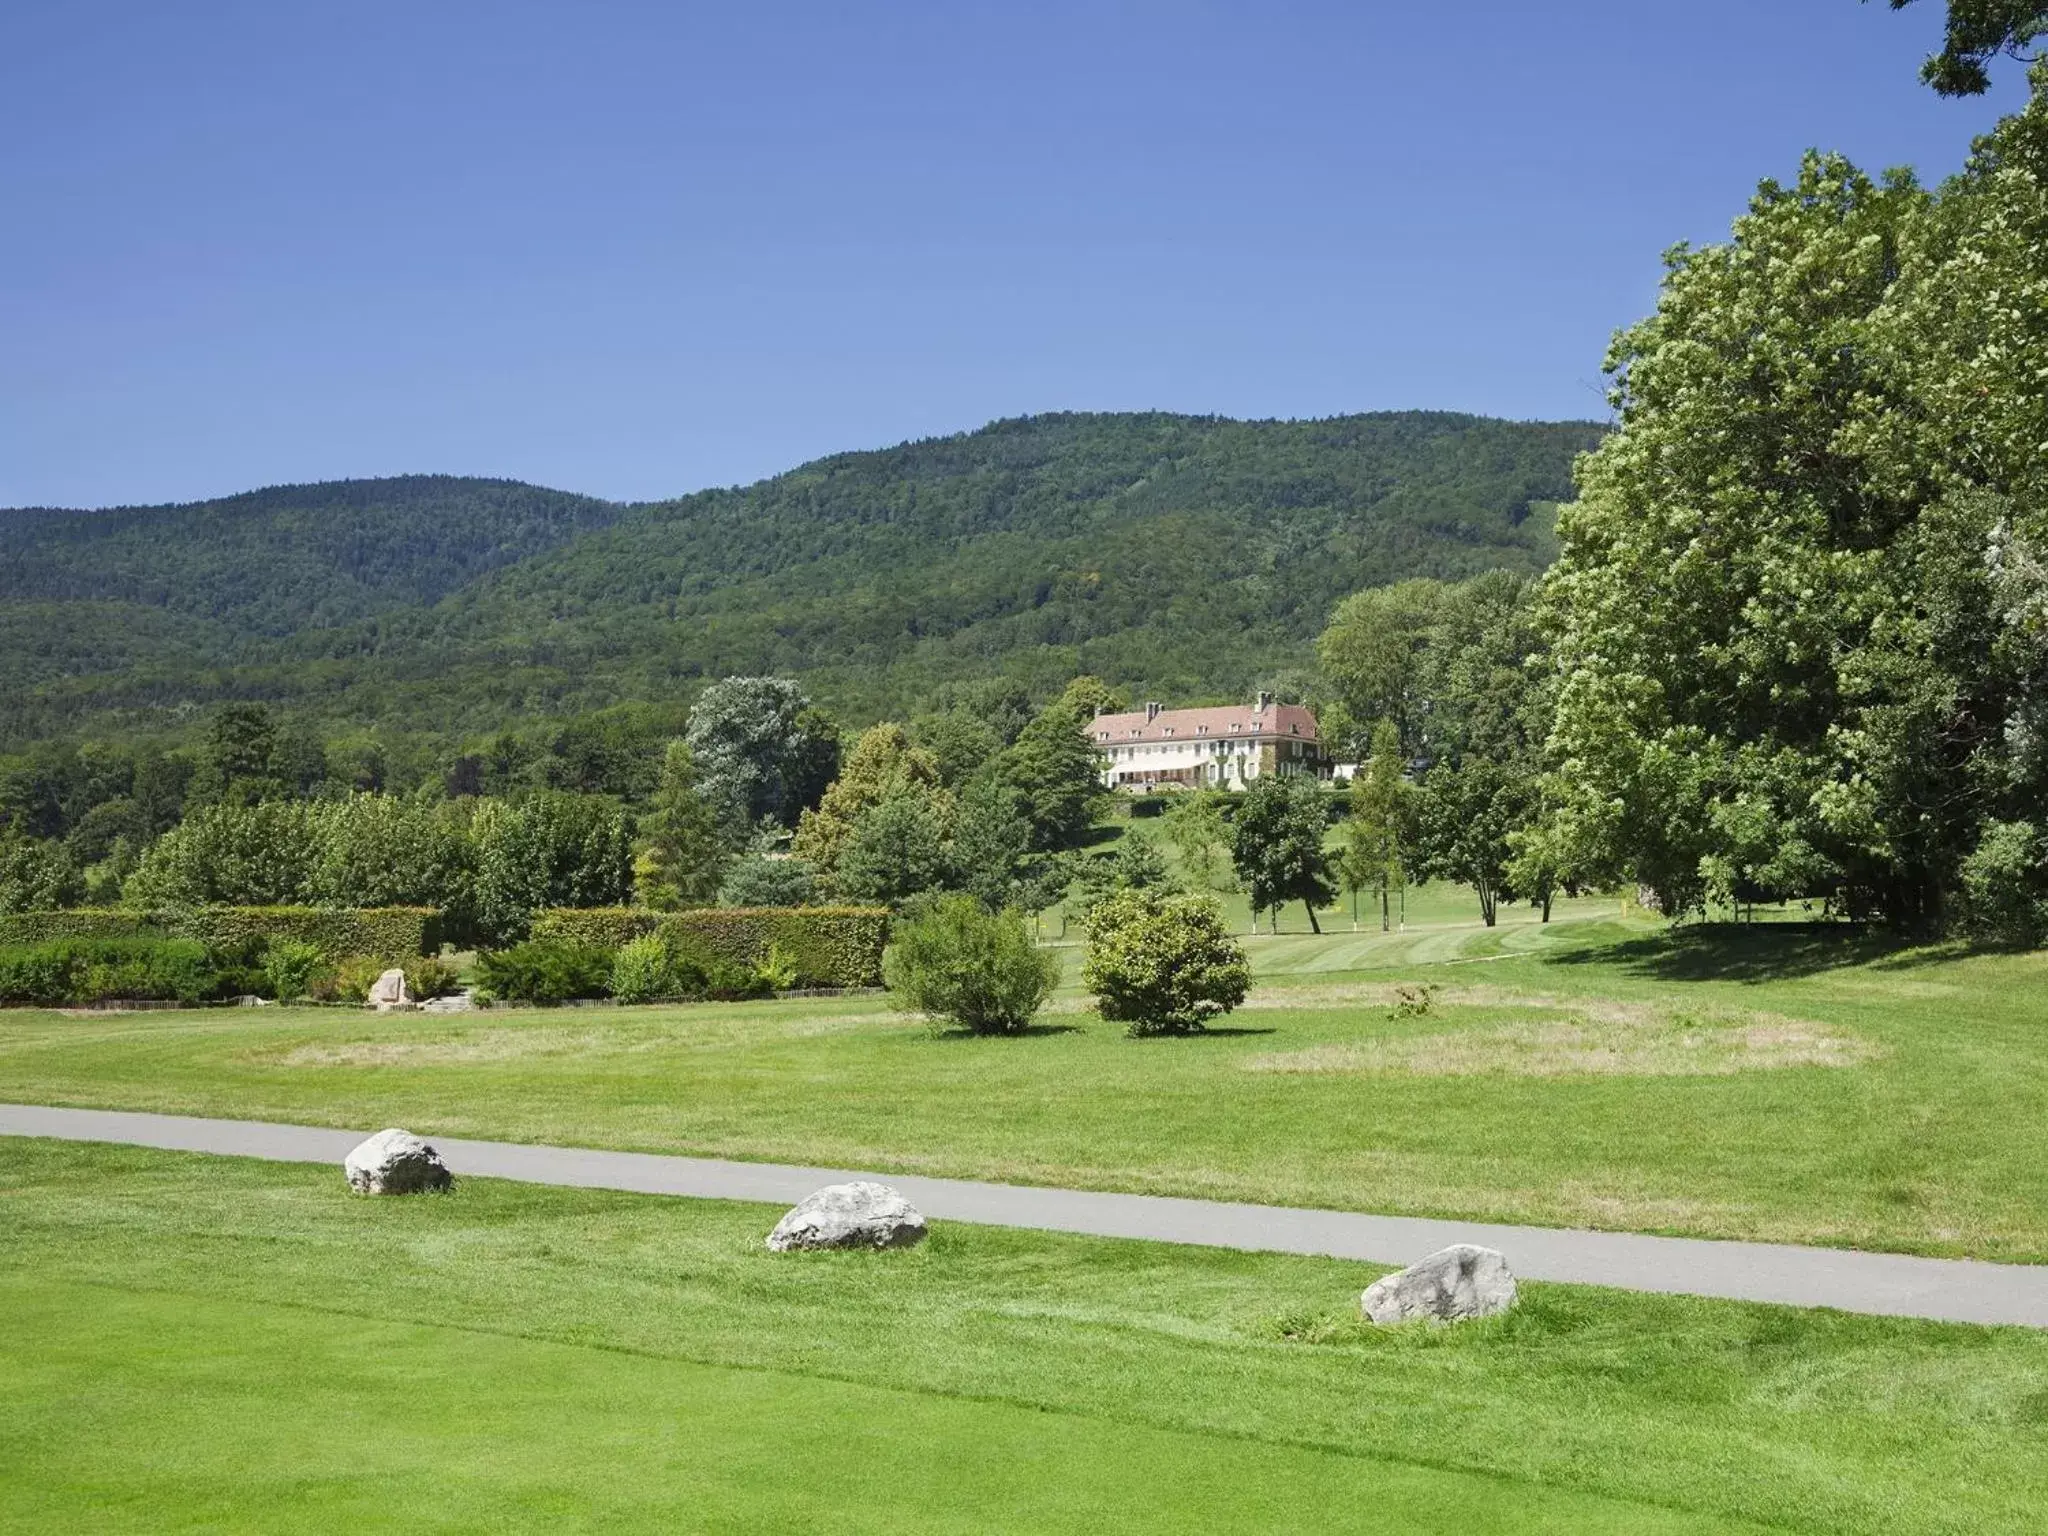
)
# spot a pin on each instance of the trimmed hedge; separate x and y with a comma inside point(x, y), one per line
point(381, 933)
point(829, 946)
point(73, 972)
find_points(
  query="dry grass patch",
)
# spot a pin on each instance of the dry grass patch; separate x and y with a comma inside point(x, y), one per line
point(1589, 1040)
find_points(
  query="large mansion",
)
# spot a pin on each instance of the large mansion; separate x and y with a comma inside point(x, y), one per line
point(1223, 748)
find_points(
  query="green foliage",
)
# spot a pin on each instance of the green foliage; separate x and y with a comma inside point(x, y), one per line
point(1276, 845)
point(35, 874)
point(960, 964)
point(549, 850)
point(762, 753)
point(1055, 773)
point(647, 968)
point(1797, 642)
point(390, 935)
point(2004, 886)
point(543, 971)
point(991, 850)
point(1374, 834)
point(897, 849)
point(686, 855)
point(289, 966)
point(759, 880)
point(1195, 827)
point(430, 976)
point(883, 766)
point(1979, 31)
point(1162, 964)
point(814, 946)
point(78, 972)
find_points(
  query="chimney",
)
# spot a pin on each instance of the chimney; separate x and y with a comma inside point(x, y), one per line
point(1265, 702)
point(1151, 710)
point(1101, 710)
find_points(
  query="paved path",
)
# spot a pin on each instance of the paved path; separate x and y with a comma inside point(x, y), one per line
point(1954, 1290)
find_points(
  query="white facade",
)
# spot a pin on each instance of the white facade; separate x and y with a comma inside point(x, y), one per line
point(1221, 748)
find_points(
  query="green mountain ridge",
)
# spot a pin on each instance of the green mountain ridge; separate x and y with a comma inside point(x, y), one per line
point(1188, 556)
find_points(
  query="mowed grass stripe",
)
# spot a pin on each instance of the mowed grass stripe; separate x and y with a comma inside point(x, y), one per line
point(160, 1413)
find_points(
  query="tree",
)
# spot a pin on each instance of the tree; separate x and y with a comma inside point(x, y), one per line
point(960, 744)
point(552, 849)
point(1372, 852)
point(1788, 655)
point(1979, 31)
point(1370, 653)
point(1161, 964)
point(762, 753)
point(36, 875)
point(231, 854)
point(992, 845)
point(962, 964)
point(882, 765)
point(237, 765)
point(686, 856)
point(1276, 845)
point(1056, 771)
point(1194, 825)
point(758, 880)
point(897, 850)
point(1464, 817)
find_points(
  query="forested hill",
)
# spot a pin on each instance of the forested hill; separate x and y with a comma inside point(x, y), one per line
point(1183, 555)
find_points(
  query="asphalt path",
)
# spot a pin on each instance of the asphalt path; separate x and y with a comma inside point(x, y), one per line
point(1897, 1285)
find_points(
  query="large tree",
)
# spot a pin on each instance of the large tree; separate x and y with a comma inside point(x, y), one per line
point(1276, 844)
point(1797, 649)
point(762, 753)
point(1979, 31)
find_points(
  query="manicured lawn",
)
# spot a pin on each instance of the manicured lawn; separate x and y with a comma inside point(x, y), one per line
point(211, 1343)
point(1774, 1083)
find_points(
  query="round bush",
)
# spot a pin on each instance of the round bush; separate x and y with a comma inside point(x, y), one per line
point(1162, 964)
point(976, 970)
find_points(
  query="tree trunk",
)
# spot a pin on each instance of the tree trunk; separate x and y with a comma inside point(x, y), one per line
point(1488, 907)
point(1546, 906)
point(1313, 925)
point(1385, 919)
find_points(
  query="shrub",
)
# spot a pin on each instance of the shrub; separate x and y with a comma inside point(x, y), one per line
point(1163, 964)
point(544, 971)
point(727, 983)
point(350, 981)
point(755, 880)
point(819, 946)
point(646, 969)
point(82, 971)
point(430, 976)
point(977, 970)
point(2004, 896)
point(289, 966)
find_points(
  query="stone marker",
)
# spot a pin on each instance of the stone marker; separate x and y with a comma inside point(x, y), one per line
point(1460, 1282)
point(456, 1002)
point(858, 1215)
point(395, 1162)
point(388, 991)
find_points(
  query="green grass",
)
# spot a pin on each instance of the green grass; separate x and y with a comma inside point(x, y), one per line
point(213, 1343)
point(1934, 1139)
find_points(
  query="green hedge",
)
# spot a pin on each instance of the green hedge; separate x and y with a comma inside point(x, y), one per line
point(829, 946)
point(72, 972)
point(379, 933)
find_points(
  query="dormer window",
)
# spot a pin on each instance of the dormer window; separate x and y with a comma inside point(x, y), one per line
point(1294, 730)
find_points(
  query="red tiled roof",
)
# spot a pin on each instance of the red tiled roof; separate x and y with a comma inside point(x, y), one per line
point(1276, 720)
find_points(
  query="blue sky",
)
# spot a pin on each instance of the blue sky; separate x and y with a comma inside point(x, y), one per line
point(638, 249)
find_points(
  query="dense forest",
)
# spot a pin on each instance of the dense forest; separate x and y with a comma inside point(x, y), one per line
point(1184, 556)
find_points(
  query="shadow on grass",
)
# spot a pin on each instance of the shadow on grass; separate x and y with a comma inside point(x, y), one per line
point(1024, 1033)
point(1753, 953)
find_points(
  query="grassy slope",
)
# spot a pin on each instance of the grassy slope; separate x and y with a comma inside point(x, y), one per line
point(1938, 1144)
point(222, 1343)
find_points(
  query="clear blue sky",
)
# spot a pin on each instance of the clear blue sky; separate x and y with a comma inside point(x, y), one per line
point(636, 249)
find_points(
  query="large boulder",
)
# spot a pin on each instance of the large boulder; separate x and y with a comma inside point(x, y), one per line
point(395, 1162)
point(857, 1215)
point(388, 991)
point(1460, 1282)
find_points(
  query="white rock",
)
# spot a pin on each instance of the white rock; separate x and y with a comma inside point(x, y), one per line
point(858, 1215)
point(395, 1162)
point(455, 1002)
point(1460, 1282)
point(388, 991)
